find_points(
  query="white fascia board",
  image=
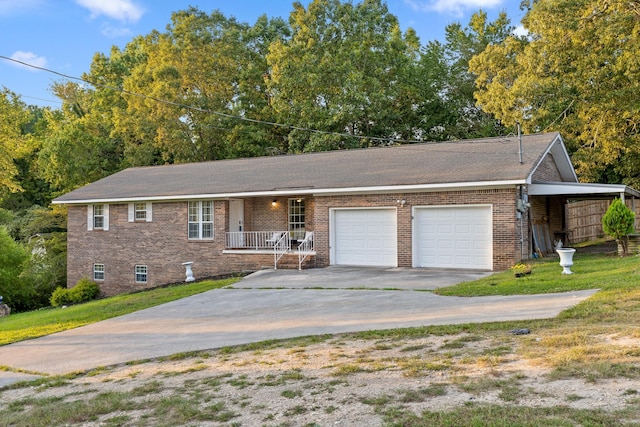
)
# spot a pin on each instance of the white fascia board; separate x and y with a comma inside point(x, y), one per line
point(575, 188)
point(310, 191)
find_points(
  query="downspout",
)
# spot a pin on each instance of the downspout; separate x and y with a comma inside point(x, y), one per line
point(520, 214)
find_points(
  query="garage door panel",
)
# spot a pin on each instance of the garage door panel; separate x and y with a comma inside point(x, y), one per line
point(365, 237)
point(453, 237)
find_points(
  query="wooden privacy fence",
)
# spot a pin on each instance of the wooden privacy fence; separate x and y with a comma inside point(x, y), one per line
point(584, 218)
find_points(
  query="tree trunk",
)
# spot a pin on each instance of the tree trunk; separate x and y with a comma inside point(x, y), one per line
point(623, 246)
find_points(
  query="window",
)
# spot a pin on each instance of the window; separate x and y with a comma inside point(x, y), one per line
point(141, 274)
point(98, 217)
point(98, 272)
point(296, 218)
point(140, 211)
point(201, 220)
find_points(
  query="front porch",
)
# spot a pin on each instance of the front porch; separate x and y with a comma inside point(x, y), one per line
point(289, 249)
point(275, 227)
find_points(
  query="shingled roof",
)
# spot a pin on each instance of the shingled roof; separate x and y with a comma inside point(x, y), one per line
point(490, 161)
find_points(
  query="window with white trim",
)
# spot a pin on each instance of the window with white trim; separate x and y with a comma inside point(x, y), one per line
point(140, 212)
point(201, 220)
point(296, 218)
point(98, 217)
point(141, 274)
point(98, 272)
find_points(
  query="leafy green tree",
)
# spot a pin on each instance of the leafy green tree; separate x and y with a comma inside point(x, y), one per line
point(466, 119)
point(78, 147)
point(344, 70)
point(211, 71)
point(618, 223)
point(13, 289)
point(577, 73)
point(14, 115)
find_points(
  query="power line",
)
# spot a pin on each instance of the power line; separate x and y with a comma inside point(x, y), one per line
point(41, 99)
point(207, 111)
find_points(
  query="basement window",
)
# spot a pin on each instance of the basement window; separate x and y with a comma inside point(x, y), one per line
point(98, 272)
point(141, 274)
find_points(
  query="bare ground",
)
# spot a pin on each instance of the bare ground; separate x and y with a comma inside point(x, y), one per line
point(338, 381)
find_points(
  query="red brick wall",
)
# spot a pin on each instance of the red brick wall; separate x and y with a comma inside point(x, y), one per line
point(162, 245)
point(506, 231)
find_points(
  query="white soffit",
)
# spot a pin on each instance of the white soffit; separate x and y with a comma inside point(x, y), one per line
point(578, 189)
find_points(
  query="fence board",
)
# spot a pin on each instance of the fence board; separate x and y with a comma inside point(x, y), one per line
point(584, 218)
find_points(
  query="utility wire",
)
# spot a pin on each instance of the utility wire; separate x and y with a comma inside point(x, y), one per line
point(388, 140)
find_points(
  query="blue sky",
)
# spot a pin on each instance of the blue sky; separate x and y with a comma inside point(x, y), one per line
point(63, 35)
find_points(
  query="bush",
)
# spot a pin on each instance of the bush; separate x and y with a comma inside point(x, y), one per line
point(85, 290)
point(60, 297)
point(17, 292)
point(617, 222)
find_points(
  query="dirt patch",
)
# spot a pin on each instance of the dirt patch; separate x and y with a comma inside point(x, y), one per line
point(340, 381)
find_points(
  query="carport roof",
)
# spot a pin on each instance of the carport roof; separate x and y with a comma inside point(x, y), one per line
point(486, 162)
point(581, 191)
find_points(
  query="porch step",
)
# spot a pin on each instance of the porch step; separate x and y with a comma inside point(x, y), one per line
point(290, 262)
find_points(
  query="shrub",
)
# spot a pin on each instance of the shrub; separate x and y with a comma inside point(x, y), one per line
point(60, 297)
point(617, 222)
point(16, 292)
point(85, 290)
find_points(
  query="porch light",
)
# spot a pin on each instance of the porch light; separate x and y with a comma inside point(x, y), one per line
point(274, 202)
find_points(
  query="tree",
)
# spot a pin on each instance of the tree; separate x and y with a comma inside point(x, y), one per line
point(13, 289)
point(210, 69)
point(343, 71)
point(618, 223)
point(577, 73)
point(13, 141)
point(466, 119)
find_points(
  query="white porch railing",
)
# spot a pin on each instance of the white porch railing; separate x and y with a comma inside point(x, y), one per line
point(277, 241)
point(305, 248)
point(254, 239)
point(281, 247)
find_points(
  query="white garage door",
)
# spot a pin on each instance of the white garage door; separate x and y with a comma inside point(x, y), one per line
point(365, 237)
point(453, 237)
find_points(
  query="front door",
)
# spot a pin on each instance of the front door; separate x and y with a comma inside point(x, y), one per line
point(236, 222)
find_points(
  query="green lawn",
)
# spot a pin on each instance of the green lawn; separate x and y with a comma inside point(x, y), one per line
point(22, 326)
point(604, 272)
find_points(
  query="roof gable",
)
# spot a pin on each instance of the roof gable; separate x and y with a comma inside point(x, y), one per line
point(559, 155)
point(487, 161)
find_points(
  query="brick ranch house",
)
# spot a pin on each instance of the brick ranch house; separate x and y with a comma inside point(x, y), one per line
point(480, 204)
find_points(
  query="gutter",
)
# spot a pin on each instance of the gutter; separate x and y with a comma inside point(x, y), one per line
point(414, 188)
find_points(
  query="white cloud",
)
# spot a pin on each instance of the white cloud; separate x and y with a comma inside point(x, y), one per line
point(456, 7)
point(29, 58)
point(122, 10)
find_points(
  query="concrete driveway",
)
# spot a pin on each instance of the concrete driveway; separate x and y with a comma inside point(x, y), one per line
point(273, 305)
point(342, 277)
